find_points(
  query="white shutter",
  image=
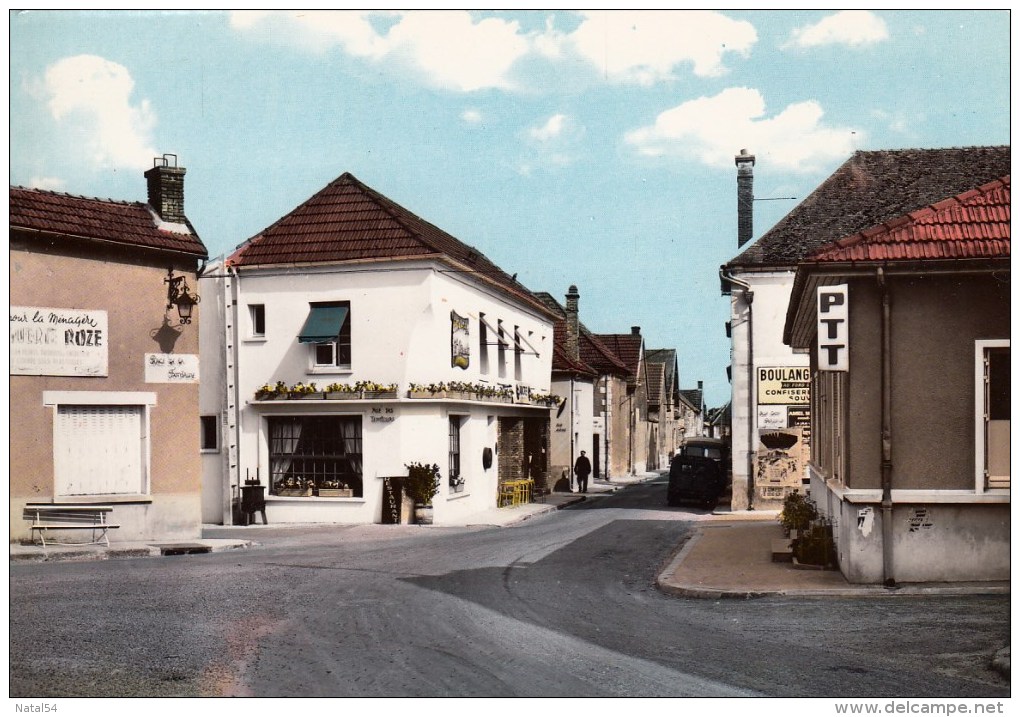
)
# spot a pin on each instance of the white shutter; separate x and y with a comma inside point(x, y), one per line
point(98, 450)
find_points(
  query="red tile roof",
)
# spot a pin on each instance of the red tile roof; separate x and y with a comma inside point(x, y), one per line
point(596, 354)
point(971, 225)
point(127, 223)
point(348, 221)
point(627, 348)
point(871, 188)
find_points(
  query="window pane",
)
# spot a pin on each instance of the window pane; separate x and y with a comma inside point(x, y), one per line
point(308, 454)
point(258, 319)
point(208, 428)
point(324, 354)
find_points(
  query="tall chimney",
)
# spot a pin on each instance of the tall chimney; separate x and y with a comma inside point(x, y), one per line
point(745, 197)
point(573, 332)
point(166, 189)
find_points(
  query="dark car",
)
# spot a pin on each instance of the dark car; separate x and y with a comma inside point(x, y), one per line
point(698, 472)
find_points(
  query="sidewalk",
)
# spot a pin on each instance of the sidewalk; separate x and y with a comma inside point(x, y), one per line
point(217, 538)
point(730, 556)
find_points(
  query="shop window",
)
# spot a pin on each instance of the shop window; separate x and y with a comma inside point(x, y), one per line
point(315, 456)
point(993, 402)
point(210, 434)
point(327, 329)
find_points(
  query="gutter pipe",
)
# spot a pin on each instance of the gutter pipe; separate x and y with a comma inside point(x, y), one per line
point(887, 466)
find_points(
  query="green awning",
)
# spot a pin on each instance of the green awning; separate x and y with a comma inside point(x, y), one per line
point(323, 324)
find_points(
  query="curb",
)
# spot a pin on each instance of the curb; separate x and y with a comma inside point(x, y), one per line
point(665, 584)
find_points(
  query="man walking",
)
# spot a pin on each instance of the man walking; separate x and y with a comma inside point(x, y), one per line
point(582, 469)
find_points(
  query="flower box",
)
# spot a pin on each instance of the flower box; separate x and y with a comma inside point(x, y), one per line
point(304, 396)
point(294, 492)
point(343, 396)
point(336, 492)
point(380, 394)
point(426, 394)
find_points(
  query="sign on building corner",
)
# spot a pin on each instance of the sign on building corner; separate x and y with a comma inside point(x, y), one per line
point(833, 349)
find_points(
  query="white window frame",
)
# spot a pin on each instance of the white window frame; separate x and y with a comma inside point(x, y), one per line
point(331, 367)
point(253, 317)
point(144, 399)
point(981, 347)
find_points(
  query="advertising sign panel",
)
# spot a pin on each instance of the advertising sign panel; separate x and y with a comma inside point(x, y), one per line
point(49, 341)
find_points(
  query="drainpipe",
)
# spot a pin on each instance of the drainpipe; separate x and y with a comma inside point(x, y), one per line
point(748, 299)
point(887, 505)
point(570, 468)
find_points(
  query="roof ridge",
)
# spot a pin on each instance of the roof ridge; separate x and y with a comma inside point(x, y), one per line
point(53, 192)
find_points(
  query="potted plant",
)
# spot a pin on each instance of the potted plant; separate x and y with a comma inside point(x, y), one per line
point(797, 514)
point(266, 392)
point(305, 390)
point(342, 392)
point(421, 486)
point(370, 389)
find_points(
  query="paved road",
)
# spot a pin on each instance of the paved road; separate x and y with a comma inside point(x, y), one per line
point(561, 605)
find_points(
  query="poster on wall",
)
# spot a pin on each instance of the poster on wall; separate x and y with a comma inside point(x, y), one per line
point(778, 463)
point(49, 341)
point(171, 368)
point(460, 347)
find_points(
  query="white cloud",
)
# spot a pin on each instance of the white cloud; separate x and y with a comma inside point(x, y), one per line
point(458, 51)
point(647, 46)
point(450, 48)
point(852, 28)
point(553, 128)
point(554, 143)
point(90, 98)
point(52, 183)
point(712, 129)
point(471, 116)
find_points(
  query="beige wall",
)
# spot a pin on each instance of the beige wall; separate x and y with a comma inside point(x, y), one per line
point(130, 289)
point(935, 322)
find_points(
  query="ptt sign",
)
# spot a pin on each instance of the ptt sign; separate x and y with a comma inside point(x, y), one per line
point(833, 328)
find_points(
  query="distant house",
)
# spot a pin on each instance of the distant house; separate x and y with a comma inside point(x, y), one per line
point(693, 410)
point(770, 381)
point(612, 422)
point(629, 349)
point(717, 422)
point(354, 338)
point(667, 408)
point(907, 326)
point(573, 421)
point(104, 358)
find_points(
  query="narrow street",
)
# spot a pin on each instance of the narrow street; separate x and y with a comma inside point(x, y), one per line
point(563, 604)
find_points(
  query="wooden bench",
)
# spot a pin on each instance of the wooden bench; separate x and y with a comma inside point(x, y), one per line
point(48, 517)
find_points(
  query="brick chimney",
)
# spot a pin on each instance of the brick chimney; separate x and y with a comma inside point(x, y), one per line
point(166, 188)
point(573, 332)
point(635, 330)
point(745, 197)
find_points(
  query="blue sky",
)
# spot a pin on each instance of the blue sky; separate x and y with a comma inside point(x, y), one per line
point(588, 148)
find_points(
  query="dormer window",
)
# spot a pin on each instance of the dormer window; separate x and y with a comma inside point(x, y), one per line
point(328, 330)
